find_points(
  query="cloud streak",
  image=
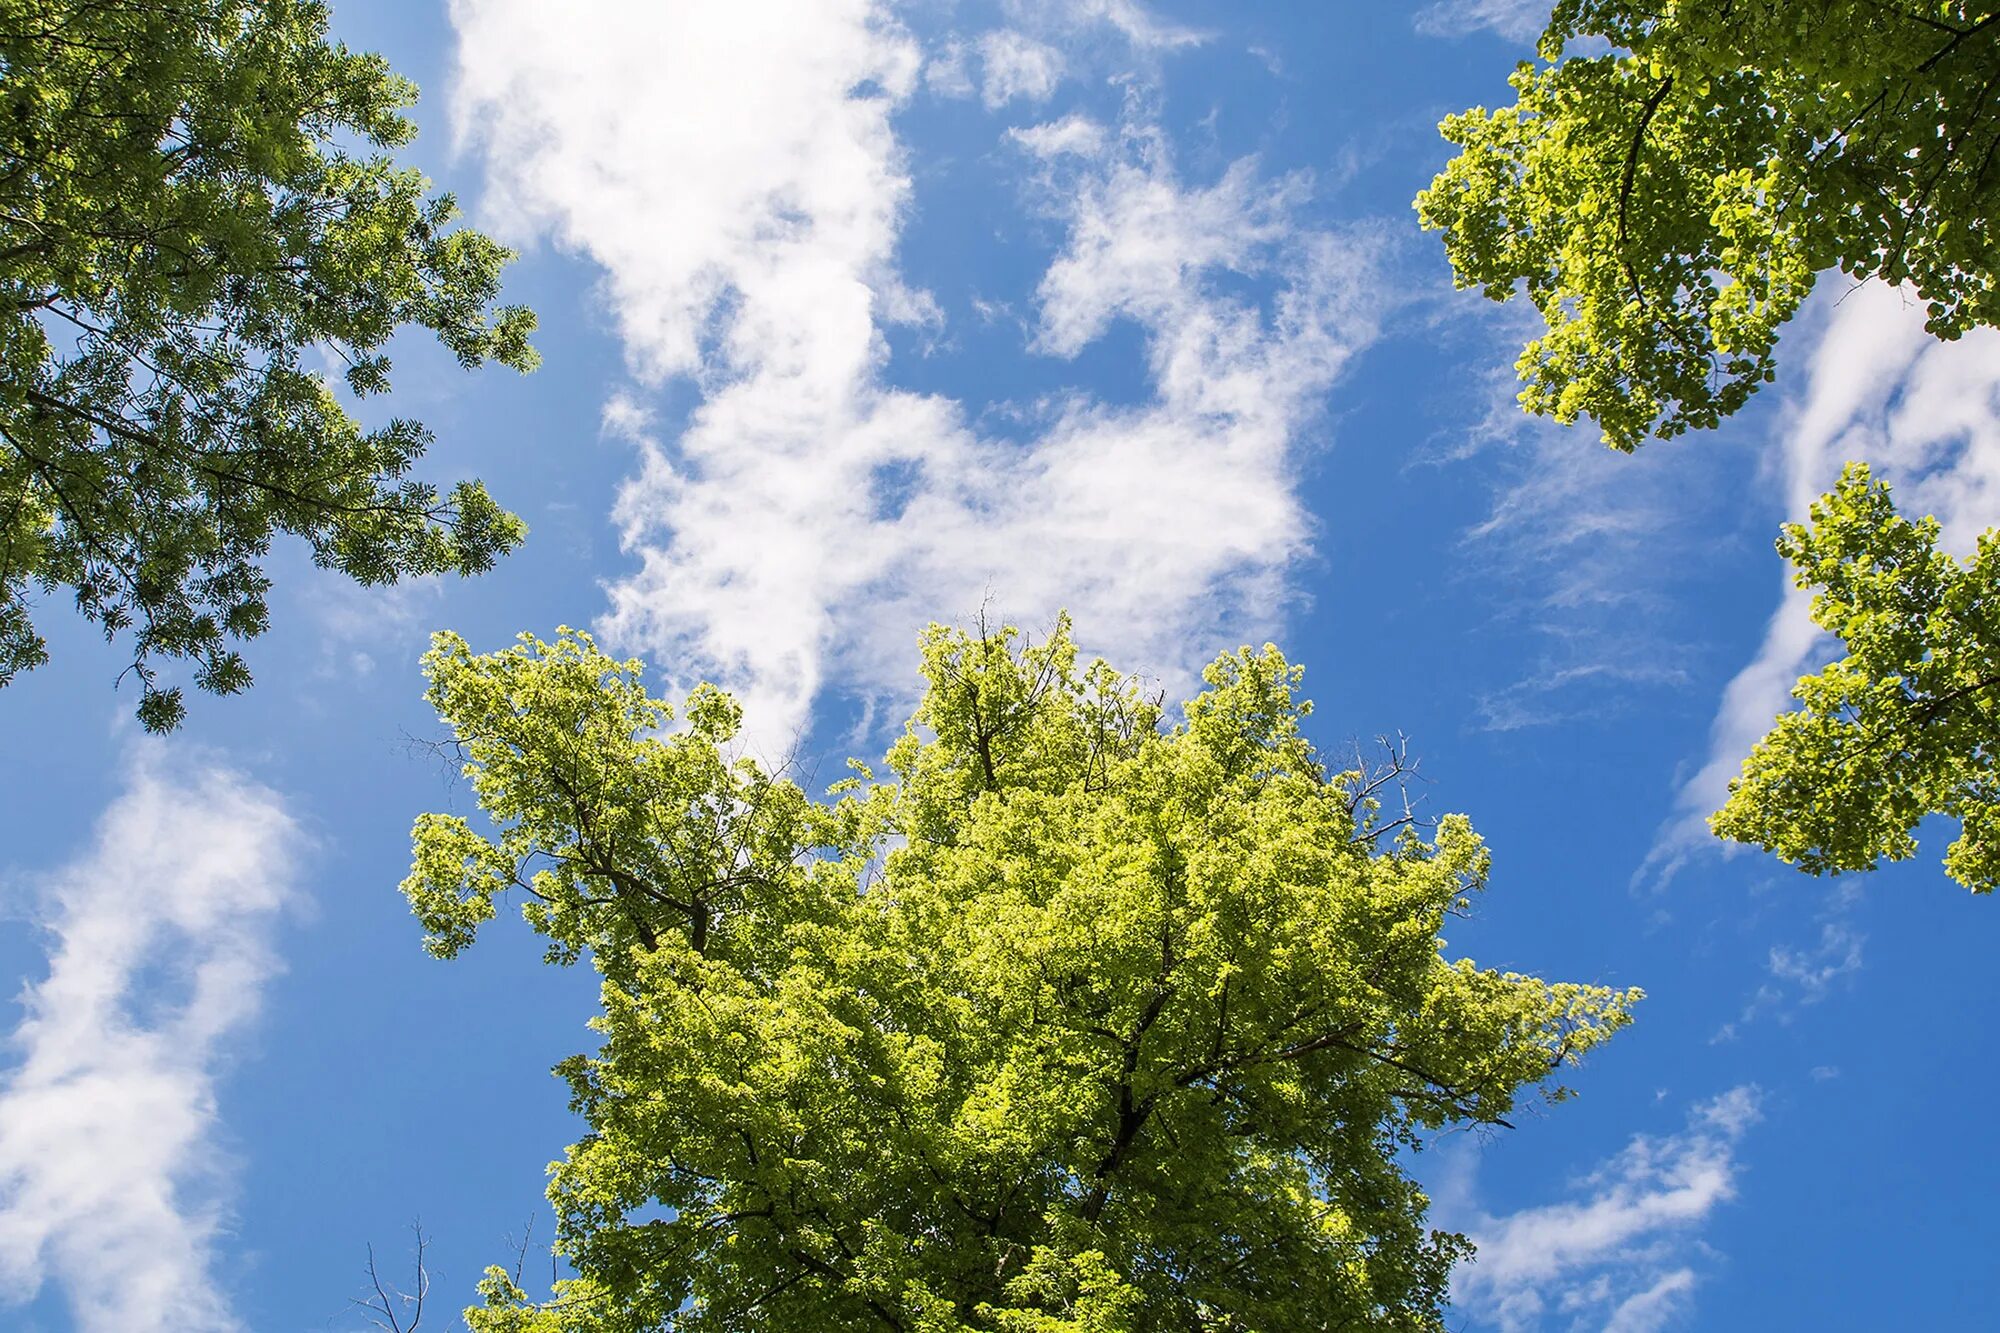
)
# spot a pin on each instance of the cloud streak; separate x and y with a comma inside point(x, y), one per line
point(1016, 65)
point(1621, 1250)
point(109, 1162)
point(1802, 974)
point(1516, 20)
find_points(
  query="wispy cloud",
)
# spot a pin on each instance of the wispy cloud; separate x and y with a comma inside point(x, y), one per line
point(811, 515)
point(1655, 1307)
point(1582, 551)
point(110, 1172)
point(358, 625)
point(1516, 20)
point(1045, 41)
point(1804, 973)
point(1146, 31)
point(1622, 1252)
point(1814, 968)
point(1925, 415)
point(1014, 65)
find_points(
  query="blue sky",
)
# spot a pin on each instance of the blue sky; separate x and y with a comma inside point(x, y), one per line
point(856, 316)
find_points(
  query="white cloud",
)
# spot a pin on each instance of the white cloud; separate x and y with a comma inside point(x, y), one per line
point(360, 626)
point(730, 167)
point(1145, 32)
point(1074, 135)
point(1804, 974)
point(1048, 40)
point(1925, 415)
point(109, 1165)
point(1516, 20)
point(1015, 65)
point(1619, 1252)
point(1652, 1309)
point(945, 70)
point(1815, 968)
point(812, 516)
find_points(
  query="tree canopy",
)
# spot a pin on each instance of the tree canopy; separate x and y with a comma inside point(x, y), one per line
point(199, 208)
point(1907, 724)
point(1666, 189)
point(1673, 177)
point(1068, 1023)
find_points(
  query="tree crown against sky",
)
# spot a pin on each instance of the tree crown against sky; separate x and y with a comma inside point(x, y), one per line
point(1072, 1023)
point(1672, 179)
point(201, 221)
point(1666, 190)
point(1902, 727)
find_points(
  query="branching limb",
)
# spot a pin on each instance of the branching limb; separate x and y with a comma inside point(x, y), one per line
point(390, 1307)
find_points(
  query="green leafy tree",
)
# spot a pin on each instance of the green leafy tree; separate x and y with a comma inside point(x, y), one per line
point(198, 207)
point(1074, 1024)
point(1907, 724)
point(1667, 193)
point(1668, 185)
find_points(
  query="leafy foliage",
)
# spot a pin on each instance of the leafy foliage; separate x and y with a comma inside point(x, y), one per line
point(197, 202)
point(1072, 1025)
point(1908, 723)
point(1667, 203)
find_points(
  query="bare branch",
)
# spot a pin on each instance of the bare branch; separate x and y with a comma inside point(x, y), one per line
point(391, 1308)
point(1395, 767)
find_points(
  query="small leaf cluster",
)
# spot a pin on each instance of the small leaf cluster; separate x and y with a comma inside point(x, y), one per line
point(1672, 178)
point(1067, 1022)
point(1907, 724)
point(198, 207)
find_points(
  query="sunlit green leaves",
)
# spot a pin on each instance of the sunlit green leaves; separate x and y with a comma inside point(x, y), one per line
point(1075, 1025)
point(1907, 724)
point(1667, 203)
